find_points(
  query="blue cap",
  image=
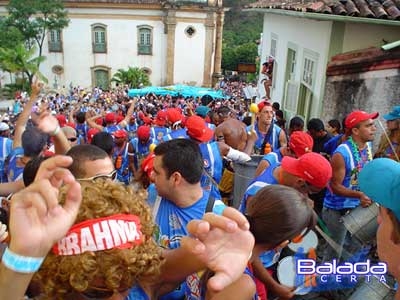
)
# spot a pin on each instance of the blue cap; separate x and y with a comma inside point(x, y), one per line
point(380, 181)
point(202, 110)
point(393, 115)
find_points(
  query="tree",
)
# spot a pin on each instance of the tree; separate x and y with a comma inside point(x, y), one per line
point(133, 77)
point(244, 53)
point(19, 60)
point(241, 32)
point(9, 35)
point(34, 18)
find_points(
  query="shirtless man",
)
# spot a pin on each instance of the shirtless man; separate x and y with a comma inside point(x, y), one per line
point(233, 132)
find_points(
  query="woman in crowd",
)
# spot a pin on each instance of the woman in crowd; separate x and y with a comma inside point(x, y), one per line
point(277, 214)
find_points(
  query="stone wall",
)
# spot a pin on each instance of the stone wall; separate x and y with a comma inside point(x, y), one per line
point(369, 91)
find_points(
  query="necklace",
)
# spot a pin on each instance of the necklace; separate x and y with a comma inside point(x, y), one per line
point(359, 160)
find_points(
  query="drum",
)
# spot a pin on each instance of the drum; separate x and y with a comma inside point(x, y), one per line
point(244, 174)
point(361, 222)
point(287, 275)
point(310, 240)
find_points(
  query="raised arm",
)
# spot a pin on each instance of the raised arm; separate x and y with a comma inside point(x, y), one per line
point(129, 113)
point(37, 221)
point(49, 124)
point(91, 120)
point(24, 116)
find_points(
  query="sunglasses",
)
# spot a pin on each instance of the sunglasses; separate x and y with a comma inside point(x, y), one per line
point(73, 139)
point(99, 293)
point(112, 176)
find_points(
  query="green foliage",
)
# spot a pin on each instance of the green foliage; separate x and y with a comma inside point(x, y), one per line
point(241, 33)
point(133, 77)
point(232, 56)
point(9, 35)
point(19, 60)
point(34, 18)
point(9, 90)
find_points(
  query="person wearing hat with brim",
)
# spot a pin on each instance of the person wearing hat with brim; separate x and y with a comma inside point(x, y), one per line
point(344, 194)
point(159, 129)
point(300, 143)
point(120, 156)
point(310, 173)
point(380, 180)
point(389, 145)
point(203, 111)
point(267, 131)
point(139, 148)
point(175, 121)
point(212, 152)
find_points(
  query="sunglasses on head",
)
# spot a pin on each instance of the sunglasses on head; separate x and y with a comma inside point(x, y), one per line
point(99, 293)
point(73, 139)
point(112, 176)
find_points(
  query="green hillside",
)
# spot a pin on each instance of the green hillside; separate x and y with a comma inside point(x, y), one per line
point(241, 33)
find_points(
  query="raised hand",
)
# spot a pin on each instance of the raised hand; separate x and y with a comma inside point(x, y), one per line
point(223, 243)
point(36, 86)
point(37, 220)
point(47, 122)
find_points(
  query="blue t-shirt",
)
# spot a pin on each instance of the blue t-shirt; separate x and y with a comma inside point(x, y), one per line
point(273, 139)
point(6, 146)
point(171, 223)
point(14, 172)
point(350, 180)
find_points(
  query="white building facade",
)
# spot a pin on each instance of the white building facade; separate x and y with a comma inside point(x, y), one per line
point(173, 42)
point(301, 44)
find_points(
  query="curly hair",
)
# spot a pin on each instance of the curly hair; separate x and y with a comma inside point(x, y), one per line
point(117, 269)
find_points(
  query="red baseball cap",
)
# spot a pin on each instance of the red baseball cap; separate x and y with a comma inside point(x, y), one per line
point(91, 132)
point(174, 115)
point(161, 118)
point(197, 129)
point(300, 142)
point(262, 104)
point(110, 117)
point(120, 134)
point(147, 120)
point(143, 132)
point(358, 116)
point(147, 164)
point(120, 118)
point(312, 167)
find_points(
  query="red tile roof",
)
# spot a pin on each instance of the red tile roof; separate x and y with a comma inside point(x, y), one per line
point(363, 60)
point(379, 9)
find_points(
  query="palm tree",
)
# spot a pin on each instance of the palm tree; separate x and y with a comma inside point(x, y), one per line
point(20, 60)
point(133, 77)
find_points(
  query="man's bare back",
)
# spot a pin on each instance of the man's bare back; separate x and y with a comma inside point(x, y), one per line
point(233, 132)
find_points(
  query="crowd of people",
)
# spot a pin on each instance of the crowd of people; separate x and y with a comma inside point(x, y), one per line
point(112, 197)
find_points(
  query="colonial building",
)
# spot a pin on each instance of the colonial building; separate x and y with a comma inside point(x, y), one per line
point(301, 37)
point(173, 41)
